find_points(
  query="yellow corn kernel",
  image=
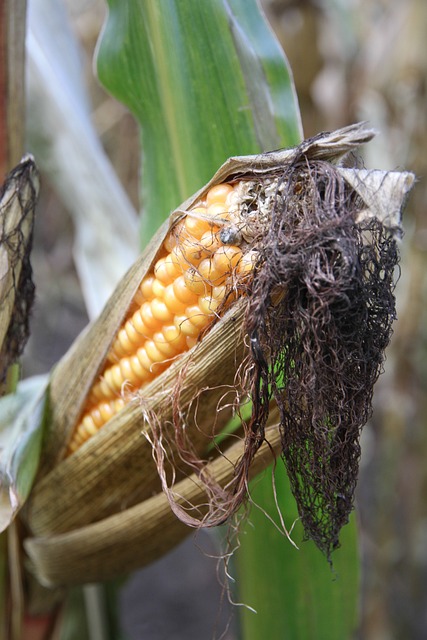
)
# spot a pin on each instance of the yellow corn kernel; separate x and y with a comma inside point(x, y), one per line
point(172, 302)
point(157, 288)
point(182, 292)
point(195, 282)
point(188, 328)
point(195, 224)
point(218, 293)
point(113, 378)
point(99, 391)
point(174, 337)
point(192, 251)
point(161, 272)
point(89, 425)
point(226, 258)
point(153, 352)
point(199, 319)
point(217, 211)
point(123, 344)
point(167, 348)
point(209, 304)
point(126, 371)
point(148, 318)
point(138, 323)
point(136, 366)
point(173, 236)
point(146, 287)
point(218, 193)
point(173, 263)
point(160, 310)
point(210, 241)
point(208, 272)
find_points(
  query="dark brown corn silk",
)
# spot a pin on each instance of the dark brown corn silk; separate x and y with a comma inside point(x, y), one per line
point(319, 317)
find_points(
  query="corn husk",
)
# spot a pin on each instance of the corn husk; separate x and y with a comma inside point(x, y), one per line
point(86, 506)
point(75, 557)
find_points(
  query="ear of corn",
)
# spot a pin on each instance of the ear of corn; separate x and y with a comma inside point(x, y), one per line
point(114, 470)
point(75, 375)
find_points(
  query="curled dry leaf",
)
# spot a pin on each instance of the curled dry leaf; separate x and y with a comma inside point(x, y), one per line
point(132, 538)
point(300, 328)
point(17, 203)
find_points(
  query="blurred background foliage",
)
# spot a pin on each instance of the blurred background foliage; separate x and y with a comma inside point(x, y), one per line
point(352, 60)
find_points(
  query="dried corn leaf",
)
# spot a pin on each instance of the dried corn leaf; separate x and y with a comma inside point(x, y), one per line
point(130, 538)
point(18, 198)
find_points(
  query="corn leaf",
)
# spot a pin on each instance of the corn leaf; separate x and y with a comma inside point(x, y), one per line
point(311, 598)
point(20, 444)
point(206, 80)
point(63, 139)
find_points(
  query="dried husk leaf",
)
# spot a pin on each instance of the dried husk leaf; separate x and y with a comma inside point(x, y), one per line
point(114, 470)
point(100, 551)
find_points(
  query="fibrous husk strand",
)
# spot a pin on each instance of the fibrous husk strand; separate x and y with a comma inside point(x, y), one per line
point(319, 318)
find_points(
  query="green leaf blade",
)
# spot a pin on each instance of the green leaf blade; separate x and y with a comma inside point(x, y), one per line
point(21, 431)
point(296, 593)
point(198, 89)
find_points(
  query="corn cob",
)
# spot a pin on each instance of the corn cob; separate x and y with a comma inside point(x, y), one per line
point(195, 276)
